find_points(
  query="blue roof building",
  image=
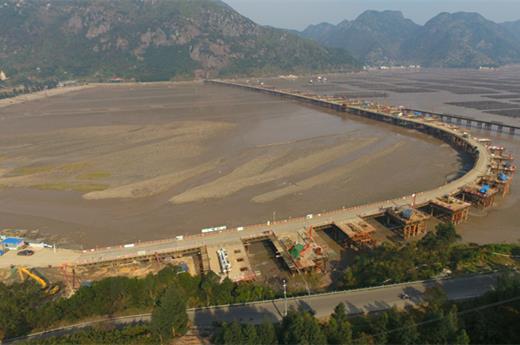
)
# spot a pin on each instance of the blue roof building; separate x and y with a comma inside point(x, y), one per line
point(12, 243)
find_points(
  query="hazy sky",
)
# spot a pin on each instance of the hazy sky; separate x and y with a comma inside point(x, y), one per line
point(297, 14)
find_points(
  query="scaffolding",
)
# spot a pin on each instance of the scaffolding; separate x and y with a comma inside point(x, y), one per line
point(501, 181)
point(480, 195)
point(412, 222)
point(301, 253)
point(450, 209)
point(359, 234)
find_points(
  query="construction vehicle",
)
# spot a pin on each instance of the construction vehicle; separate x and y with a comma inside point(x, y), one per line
point(50, 290)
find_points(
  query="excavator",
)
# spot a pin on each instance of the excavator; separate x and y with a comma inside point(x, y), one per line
point(50, 290)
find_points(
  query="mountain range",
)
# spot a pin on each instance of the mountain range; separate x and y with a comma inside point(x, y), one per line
point(448, 40)
point(149, 40)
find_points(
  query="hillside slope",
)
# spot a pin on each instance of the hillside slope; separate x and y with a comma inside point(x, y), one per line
point(148, 40)
point(462, 40)
point(374, 37)
point(448, 40)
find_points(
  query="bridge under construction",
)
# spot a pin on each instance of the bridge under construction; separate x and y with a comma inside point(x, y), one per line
point(294, 239)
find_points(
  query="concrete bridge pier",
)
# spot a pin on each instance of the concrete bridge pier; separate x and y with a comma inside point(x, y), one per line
point(487, 126)
point(512, 130)
point(500, 128)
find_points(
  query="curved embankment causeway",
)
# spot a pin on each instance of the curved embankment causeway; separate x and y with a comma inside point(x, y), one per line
point(450, 134)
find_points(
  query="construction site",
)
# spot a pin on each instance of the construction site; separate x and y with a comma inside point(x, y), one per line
point(296, 247)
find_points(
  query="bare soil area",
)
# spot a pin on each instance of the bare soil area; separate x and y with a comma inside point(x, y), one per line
point(120, 163)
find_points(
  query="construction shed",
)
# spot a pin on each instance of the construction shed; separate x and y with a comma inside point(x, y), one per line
point(12, 243)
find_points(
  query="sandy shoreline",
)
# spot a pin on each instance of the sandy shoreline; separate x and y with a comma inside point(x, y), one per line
point(43, 94)
point(34, 96)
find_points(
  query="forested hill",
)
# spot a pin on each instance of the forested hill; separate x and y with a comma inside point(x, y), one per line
point(448, 40)
point(148, 40)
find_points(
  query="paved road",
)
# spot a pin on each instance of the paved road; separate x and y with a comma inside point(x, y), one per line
point(357, 301)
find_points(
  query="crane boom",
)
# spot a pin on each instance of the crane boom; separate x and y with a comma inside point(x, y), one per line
point(35, 277)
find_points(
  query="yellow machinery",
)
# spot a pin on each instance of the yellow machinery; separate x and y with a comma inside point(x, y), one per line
point(23, 271)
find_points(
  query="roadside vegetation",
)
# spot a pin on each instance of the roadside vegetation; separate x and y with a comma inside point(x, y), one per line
point(490, 319)
point(435, 255)
point(24, 308)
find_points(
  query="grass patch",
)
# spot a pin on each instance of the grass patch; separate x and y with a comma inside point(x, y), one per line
point(31, 170)
point(68, 168)
point(76, 187)
point(97, 175)
point(472, 258)
point(73, 167)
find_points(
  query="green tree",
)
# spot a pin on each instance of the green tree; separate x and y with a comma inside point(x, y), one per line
point(169, 317)
point(379, 325)
point(407, 334)
point(301, 328)
point(364, 339)
point(446, 233)
point(209, 287)
point(349, 280)
point(234, 334)
point(339, 329)
point(267, 334)
point(462, 338)
point(249, 335)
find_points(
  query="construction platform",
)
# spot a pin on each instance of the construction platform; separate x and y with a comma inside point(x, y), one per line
point(450, 209)
point(302, 252)
point(359, 234)
point(412, 222)
point(240, 267)
point(480, 195)
point(501, 181)
point(504, 167)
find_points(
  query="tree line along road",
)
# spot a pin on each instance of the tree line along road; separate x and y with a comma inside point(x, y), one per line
point(322, 305)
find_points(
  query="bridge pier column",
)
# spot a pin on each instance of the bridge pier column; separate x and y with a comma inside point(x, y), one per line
point(512, 130)
point(500, 128)
point(487, 126)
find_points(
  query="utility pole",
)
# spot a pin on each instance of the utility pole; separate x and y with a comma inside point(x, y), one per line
point(285, 297)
